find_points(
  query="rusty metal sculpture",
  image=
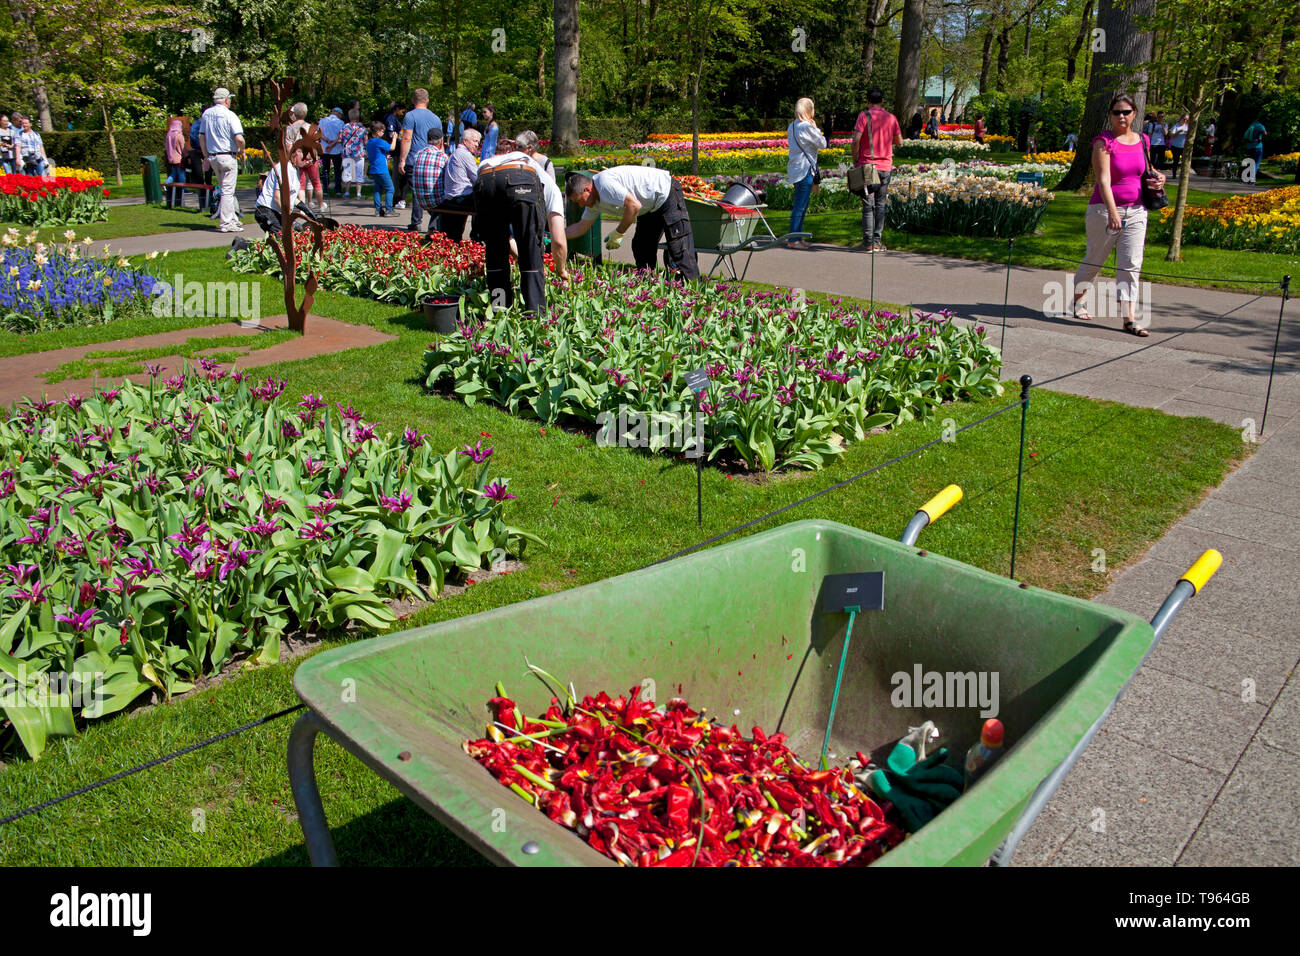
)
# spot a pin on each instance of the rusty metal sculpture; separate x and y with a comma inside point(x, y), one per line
point(307, 147)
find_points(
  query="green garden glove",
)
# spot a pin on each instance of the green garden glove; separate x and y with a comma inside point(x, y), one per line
point(919, 790)
point(614, 241)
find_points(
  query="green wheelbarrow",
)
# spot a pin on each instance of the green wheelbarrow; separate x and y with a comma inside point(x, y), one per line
point(739, 629)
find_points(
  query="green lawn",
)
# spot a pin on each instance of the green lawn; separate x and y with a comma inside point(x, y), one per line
point(136, 220)
point(1101, 475)
point(1061, 234)
point(133, 185)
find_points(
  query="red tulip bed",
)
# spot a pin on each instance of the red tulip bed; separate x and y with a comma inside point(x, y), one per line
point(391, 266)
point(666, 786)
point(51, 200)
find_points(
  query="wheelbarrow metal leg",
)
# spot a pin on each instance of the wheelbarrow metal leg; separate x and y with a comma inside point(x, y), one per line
point(306, 795)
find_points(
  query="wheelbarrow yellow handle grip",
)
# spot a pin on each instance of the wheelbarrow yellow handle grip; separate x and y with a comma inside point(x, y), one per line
point(1201, 572)
point(941, 503)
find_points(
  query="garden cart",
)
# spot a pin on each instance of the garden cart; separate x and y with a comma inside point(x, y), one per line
point(726, 231)
point(740, 629)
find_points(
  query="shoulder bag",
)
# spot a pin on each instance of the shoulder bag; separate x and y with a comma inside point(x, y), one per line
point(860, 177)
point(1153, 190)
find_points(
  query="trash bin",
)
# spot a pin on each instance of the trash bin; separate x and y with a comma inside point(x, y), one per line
point(590, 244)
point(152, 179)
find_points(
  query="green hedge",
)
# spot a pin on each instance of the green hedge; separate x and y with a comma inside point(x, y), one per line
point(89, 148)
point(82, 148)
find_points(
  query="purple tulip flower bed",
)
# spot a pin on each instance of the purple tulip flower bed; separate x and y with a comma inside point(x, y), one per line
point(790, 382)
point(150, 534)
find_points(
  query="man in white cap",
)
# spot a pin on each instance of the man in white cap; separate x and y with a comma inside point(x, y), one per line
point(222, 144)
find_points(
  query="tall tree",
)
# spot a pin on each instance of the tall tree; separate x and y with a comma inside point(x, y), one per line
point(33, 65)
point(1211, 42)
point(1085, 31)
point(99, 44)
point(907, 87)
point(877, 15)
point(564, 107)
point(1119, 65)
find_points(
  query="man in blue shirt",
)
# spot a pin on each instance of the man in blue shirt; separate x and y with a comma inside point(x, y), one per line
point(331, 133)
point(419, 123)
point(462, 171)
point(469, 118)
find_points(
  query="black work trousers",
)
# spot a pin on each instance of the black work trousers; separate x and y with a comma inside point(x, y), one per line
point(673, 220)
point(506, 201)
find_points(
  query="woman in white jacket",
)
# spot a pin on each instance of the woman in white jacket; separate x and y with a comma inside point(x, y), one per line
point(805, 141)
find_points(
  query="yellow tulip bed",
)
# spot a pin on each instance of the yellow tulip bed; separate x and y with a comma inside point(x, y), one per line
point(1263, 222)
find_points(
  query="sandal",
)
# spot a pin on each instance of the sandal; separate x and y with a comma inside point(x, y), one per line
point(1080, 313)
point(1132, 328)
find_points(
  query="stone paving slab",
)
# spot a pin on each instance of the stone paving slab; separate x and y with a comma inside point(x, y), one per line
point(1254, 821)
point(1225, 658)
point(1281, 729)
point(20, 374)
point(1224, 726)
point(1150, 805)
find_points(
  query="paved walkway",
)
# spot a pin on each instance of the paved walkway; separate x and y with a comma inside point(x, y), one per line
point(1200, 762)
point(21, 375)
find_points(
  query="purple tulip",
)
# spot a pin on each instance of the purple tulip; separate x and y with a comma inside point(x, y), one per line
point(476, 452)
point(497, 492)
point(153, 369)
point(263, 527)
point(80, 621)
point(413, 438)
point(318, 530)
point(396, 505)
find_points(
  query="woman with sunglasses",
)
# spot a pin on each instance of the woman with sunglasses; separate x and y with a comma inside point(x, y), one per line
point(1116, 218)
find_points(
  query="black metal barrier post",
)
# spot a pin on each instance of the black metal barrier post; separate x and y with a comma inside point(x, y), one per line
point(1025, 382)
point(1286, 285)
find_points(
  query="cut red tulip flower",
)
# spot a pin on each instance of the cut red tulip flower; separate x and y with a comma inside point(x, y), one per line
point(666, 786)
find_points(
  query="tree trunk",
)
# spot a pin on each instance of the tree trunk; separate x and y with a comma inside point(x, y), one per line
point(695, 117)
point(870, 27)
point(24, 17)
point(1072, 61)
point(908, 85)
point(986, 61)
point(541, 70)
point(112, 142)
point(1118, 68)
point(1004, 54)
point(564, 109)
point(1175, 251)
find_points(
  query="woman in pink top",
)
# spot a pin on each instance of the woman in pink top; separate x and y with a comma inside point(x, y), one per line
point(174, 149)
point(1116, 217)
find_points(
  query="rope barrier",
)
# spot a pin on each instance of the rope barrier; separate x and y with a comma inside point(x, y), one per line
point(817, 494)
point(1150, 345)
point(149, 765)
point(1273, 283)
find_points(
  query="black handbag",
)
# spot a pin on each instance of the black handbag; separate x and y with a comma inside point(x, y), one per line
point(1153, 190)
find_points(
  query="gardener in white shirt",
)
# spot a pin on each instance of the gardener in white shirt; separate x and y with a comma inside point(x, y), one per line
point(645, 195)
point(267, 210)
point(512, 193)
point(222, 144)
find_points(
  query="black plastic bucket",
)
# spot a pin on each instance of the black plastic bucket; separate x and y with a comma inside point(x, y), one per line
point(441, 313)
point(739, 194)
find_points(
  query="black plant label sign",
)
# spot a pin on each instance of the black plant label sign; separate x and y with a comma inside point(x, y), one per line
point(697, 379)
point(864, 590)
